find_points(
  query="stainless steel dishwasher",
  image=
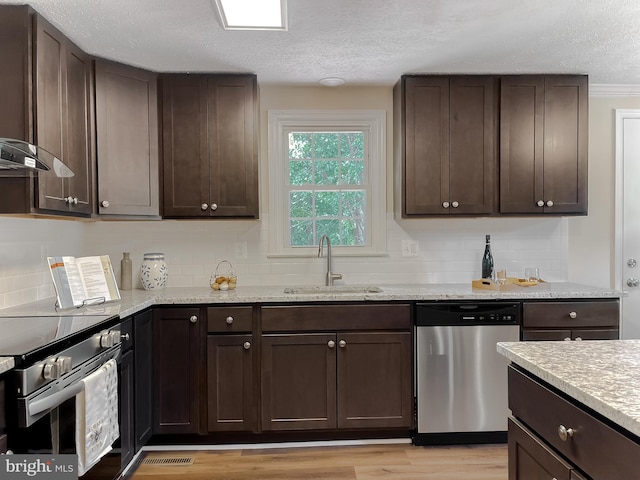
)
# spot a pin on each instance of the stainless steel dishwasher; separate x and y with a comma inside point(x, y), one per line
point(461, 380)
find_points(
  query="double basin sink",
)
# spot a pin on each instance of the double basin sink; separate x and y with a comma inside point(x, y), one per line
point(332, 289)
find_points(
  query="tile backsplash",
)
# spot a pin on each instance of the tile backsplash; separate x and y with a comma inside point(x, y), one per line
point(448, 251)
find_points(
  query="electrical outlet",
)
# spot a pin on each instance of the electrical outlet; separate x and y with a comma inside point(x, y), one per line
point(409, 248)
point(241, 250)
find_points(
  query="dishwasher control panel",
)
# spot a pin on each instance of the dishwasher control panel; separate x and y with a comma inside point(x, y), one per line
point(468, 313)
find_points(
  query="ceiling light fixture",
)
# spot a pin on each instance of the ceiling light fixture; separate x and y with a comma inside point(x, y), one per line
point(253, 14)
point(332, 81)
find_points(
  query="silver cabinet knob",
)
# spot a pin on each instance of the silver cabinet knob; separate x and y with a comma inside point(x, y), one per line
point(193, 318)
point(75, 200)
point(573, 315)
point(214, 206)
point(567, 339)
point(633, 282)
point(68, 200)
point(578, 339)
point(549, 203)
point(331, 344)
point(104, 204)
point(455, 204)
point(204, 206)
point(342, 343)
point(564, 433)
point(124, 337)
point(229, 320)
point(540, 203)
point(246, 345)
point(632, 262)
point(445, 204)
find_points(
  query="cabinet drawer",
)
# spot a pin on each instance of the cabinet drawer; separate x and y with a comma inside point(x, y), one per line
point(336, 317)
point(570, 314)
point(601, 451)
point(229, 319)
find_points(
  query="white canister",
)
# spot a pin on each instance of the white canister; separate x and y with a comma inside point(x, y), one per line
point(153, 272)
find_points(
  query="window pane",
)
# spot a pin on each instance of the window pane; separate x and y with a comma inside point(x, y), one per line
point(301, 233)
point(352, 172)
point(327, 204)
point(353, 232)
point(330, 228)
point(352, 145)
point(354, 203)
point(325, 145)
point(300, 172)
point(299, 145)
point(300, 204)
point(327, 172)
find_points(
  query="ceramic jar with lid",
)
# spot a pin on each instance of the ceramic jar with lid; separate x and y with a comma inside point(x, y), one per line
point(153, 272)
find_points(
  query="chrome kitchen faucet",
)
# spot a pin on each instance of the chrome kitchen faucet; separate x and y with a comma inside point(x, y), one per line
point(330, 275)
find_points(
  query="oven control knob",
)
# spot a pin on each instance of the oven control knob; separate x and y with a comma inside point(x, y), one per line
point(64, 363)
point(107, 340)
point(51, 370)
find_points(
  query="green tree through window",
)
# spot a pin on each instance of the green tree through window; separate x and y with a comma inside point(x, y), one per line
point(326, 194)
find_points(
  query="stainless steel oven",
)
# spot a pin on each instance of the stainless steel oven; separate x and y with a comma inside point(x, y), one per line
point(53, 355)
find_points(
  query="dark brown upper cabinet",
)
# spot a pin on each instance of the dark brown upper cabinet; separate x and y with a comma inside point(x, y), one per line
point(45, 93)
point(127, 140)
point(209, 138)
point(446, 145)
point(543, 144)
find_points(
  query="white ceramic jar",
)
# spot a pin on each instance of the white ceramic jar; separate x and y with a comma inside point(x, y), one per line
point(153, 272)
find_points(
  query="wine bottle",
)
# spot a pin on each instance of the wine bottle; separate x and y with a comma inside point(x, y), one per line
point(487, 260)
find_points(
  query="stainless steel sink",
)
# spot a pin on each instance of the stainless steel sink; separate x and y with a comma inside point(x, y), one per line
point(332, 289)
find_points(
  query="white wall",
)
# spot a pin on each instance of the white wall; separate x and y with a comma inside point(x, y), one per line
point(572, 248)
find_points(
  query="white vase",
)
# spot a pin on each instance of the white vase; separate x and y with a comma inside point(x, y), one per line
point(153, 272)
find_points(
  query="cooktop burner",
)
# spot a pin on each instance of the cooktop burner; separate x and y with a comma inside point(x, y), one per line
point(22, 336)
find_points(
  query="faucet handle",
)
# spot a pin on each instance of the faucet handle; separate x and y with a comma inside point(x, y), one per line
point(336, 276)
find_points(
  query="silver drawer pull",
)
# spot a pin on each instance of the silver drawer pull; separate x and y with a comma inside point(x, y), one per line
point(573, 315)
point(342, 343)
point(331, 344)
point(229, 320)
point(246, 345)
point(193, 319)
point(564, 433)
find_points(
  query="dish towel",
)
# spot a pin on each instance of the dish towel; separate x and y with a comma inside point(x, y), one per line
point(97, 416)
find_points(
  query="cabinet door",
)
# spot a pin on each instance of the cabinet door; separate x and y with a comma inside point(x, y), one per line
point(185, 150)
point(425, 176)
point(143, 387)
point(521, 144)
point(232, 133)
point(531, 459)
point(126, 399)
point(472, 145)
point(127, 140)
point(231, 397)
point(374, 380)
point(298, 381)
point(63, 119)
point(50, 99)
point(178, 366)
point(565, 144)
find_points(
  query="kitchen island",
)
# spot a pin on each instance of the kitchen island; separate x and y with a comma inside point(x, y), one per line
point(576, 409)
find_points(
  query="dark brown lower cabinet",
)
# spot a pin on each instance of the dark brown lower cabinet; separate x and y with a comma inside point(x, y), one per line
point(178, 335)
point(336, 380)
point(143, 386)
point(231, 396)
point(531, 459)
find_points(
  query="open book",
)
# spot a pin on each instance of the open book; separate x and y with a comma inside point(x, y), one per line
point(84, 280)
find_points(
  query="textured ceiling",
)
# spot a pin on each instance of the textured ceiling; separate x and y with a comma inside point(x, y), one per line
point(369, 42)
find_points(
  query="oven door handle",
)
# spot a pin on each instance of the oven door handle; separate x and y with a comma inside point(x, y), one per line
point(51, 401)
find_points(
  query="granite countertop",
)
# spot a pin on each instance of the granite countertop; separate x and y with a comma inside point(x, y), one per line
point(134, 301)
point(603, 375)
point(6, 364)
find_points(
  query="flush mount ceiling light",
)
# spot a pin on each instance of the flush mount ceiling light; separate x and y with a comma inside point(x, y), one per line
point(332, 81)
point(253, 14)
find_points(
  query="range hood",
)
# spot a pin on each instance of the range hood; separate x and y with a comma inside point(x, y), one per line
point(21, 155)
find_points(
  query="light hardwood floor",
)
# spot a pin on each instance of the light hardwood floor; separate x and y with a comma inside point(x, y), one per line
point(368, 462)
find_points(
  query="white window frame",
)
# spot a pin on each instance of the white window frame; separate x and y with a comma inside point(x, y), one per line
point(281, 122)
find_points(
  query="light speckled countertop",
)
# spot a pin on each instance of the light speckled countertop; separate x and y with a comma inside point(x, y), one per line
point(603, 375)
point(6, 364)
point(134, 301)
